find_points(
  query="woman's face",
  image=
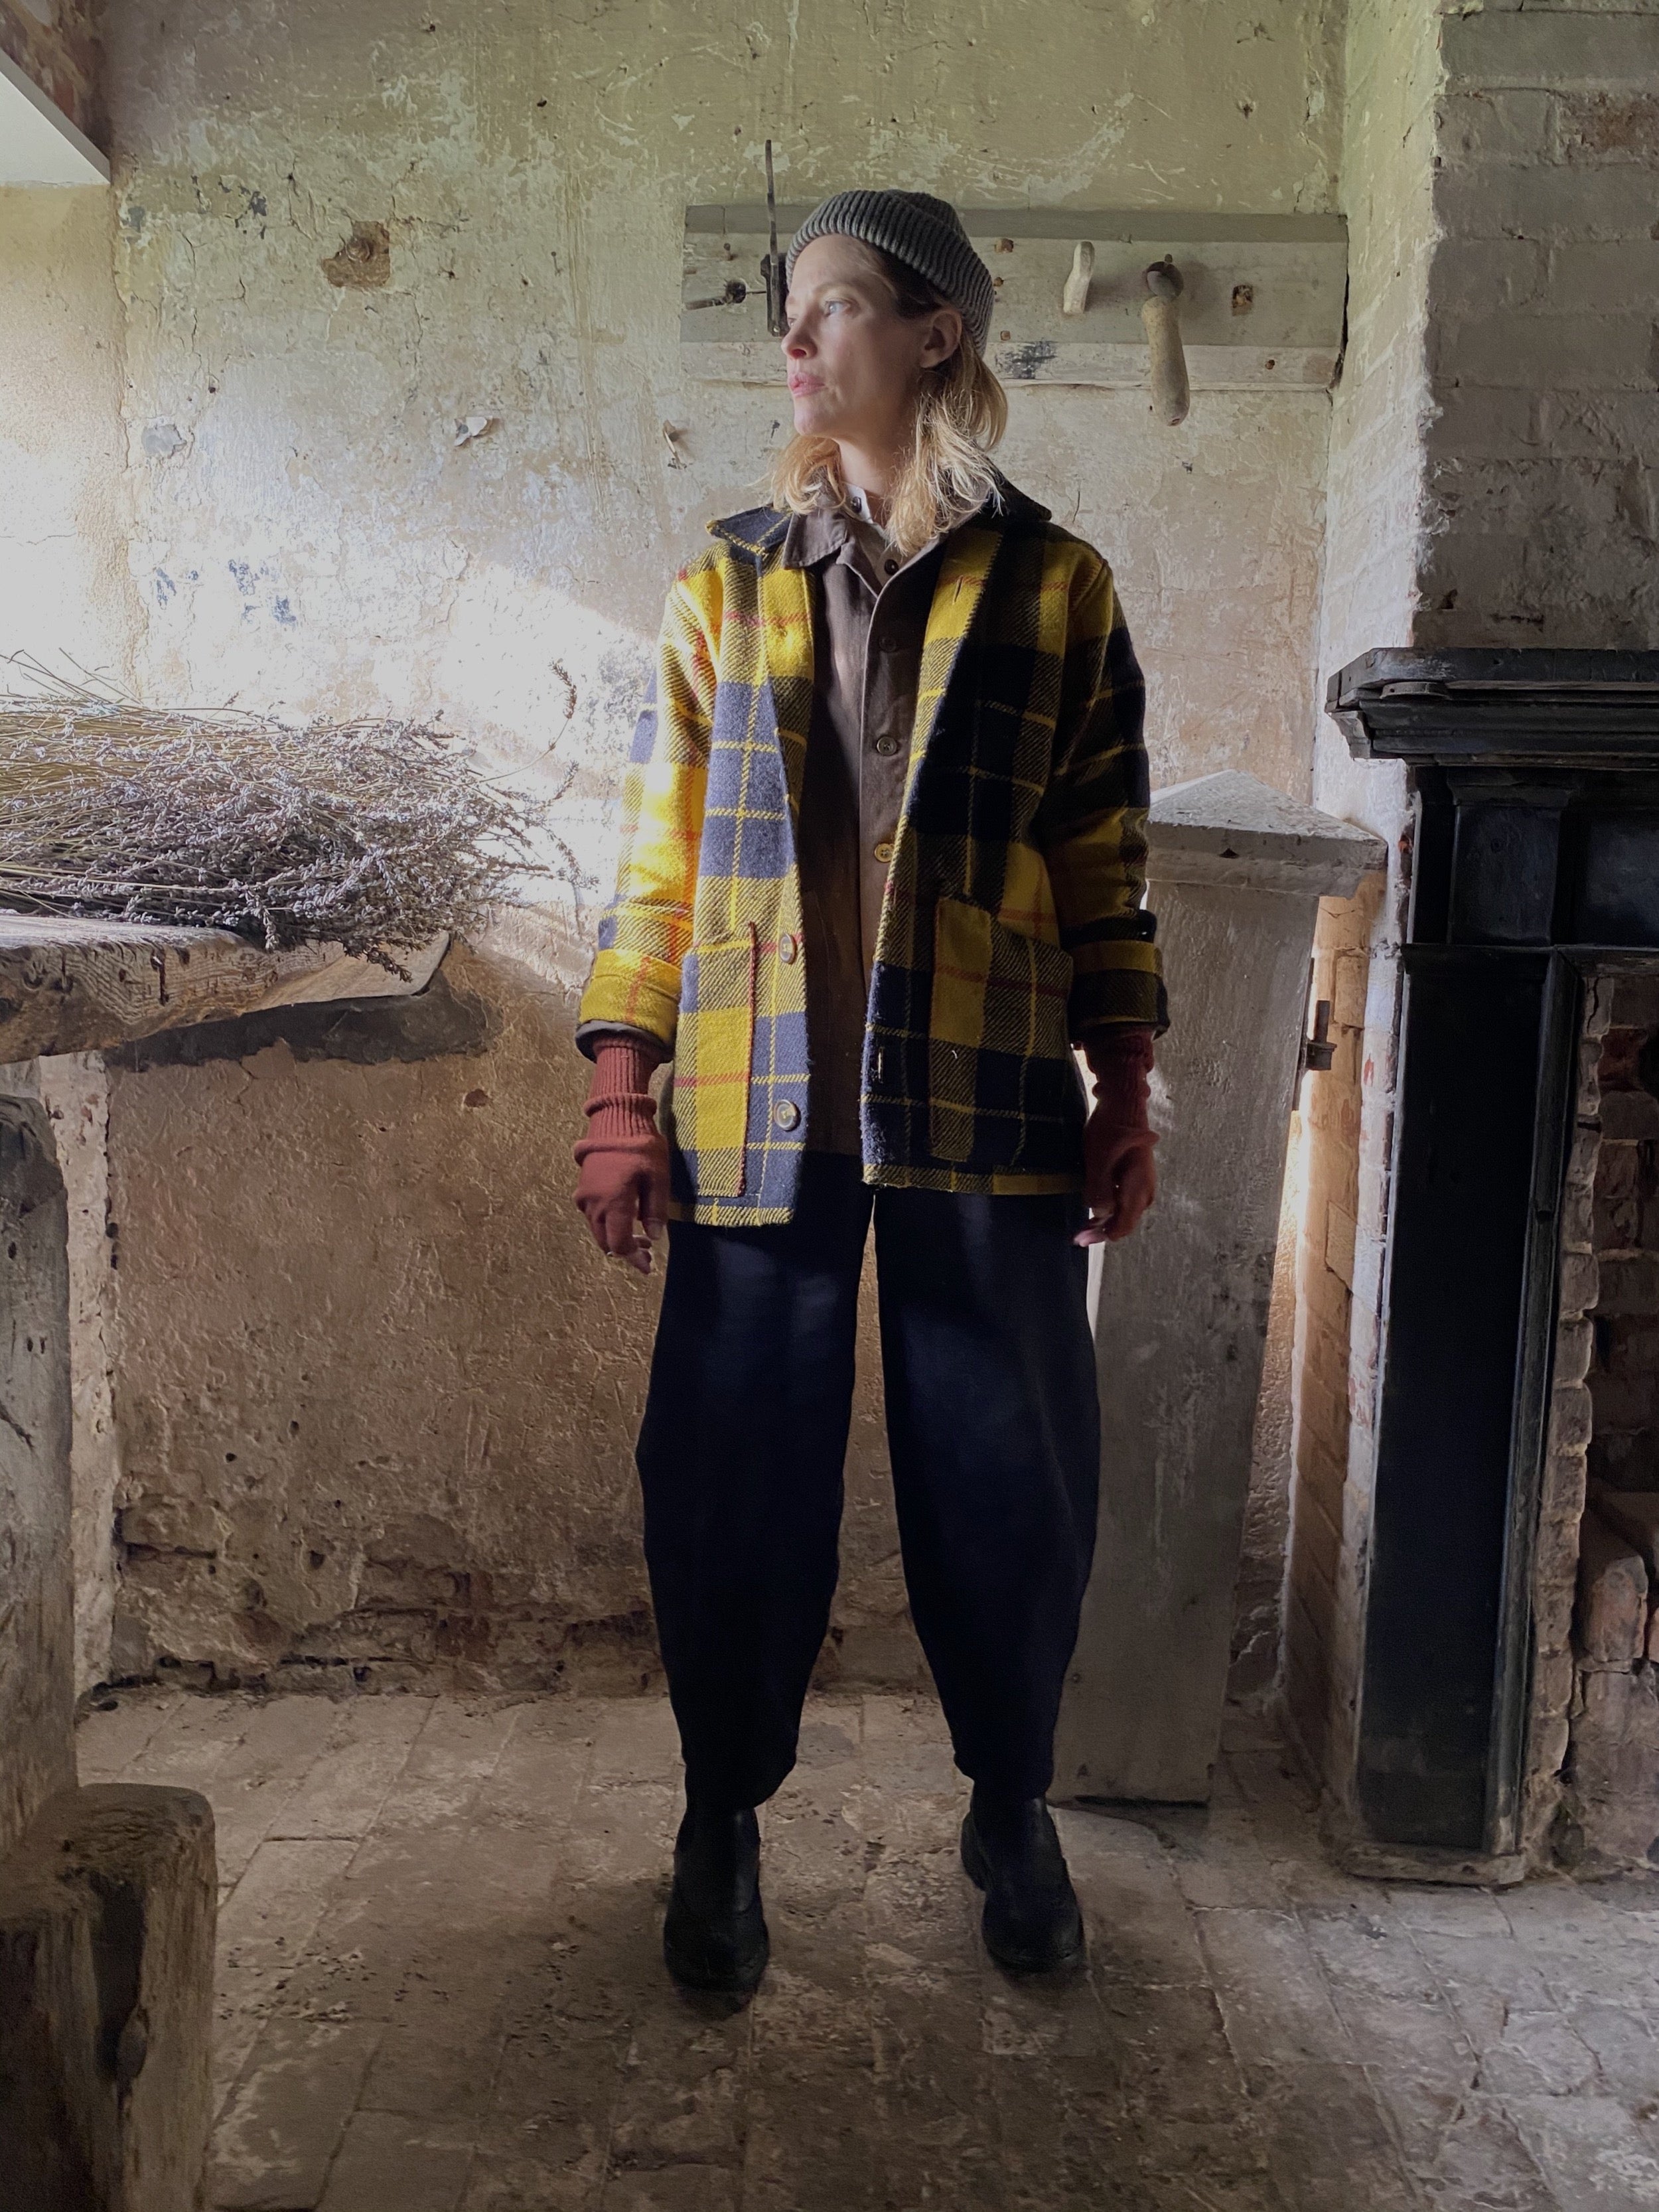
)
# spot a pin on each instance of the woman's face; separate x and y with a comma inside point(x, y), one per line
point(854, 361)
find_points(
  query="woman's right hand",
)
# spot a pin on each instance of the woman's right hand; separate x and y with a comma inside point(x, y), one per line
point(622, 1189)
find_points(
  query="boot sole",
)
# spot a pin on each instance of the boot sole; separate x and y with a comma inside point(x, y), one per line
point(1072, 1951)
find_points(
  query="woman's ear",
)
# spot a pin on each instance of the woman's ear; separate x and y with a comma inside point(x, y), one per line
point(943, 339)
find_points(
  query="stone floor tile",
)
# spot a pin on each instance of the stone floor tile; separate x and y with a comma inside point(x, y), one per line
point(436, 2059)
point(1471, 2158)
point(539, 1777)
point(264, 1932)
point(1273, 1995)
point(1451, 1911)
point(251, 1787)
point(673, 2189)
point(813, 1858)
point(682, 2092)
point(1216, 1858)
point(634, 1742)
point(624, 1833)
point(385, 2164)
point(549, 2161)
point(1538, 2055)
point(353, 1773)
point(1329, 2142)
point(1141, 1930)
point(1591, 2153)
point(454, 1754)
point(919, 1910)
point(196, 1735)
point(815, 1996)
point(811, 2138)
point(1397, 2018)
point(119, 1730)
point(1625, 2045)
point(1168, 2054)
point(276, 2138)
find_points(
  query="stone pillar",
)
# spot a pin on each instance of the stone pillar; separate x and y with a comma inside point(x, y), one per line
point(1236, 871)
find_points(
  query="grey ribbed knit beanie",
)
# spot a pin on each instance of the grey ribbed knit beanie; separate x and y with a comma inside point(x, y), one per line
point(925, 233)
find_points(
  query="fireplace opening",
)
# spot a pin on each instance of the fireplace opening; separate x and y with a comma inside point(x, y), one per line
point(1607, 1815)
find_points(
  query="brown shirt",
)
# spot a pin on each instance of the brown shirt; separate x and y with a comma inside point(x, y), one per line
point(869, 615)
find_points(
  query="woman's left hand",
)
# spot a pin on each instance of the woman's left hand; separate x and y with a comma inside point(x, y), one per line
point(1120, 1179)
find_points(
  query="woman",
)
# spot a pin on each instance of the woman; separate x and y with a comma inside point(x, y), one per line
point(881, 868)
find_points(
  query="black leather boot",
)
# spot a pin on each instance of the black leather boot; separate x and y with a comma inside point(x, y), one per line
point(1032, 1923)
point(714, 1936)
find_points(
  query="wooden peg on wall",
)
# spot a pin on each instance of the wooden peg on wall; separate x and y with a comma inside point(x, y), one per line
point(1074, 300)
point(1160, 314)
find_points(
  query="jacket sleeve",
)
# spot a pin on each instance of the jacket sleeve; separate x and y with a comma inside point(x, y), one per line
point(645, 931)
point(1092, 825)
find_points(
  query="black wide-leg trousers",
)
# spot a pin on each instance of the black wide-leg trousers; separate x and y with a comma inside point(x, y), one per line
point(994, 1433)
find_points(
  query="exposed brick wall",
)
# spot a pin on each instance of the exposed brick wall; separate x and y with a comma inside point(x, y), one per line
point(1490, 483)
point(1539, 485)
point(1624, 1379)
point(56, 43)
point(1603, 1809)
point(1561, 1503)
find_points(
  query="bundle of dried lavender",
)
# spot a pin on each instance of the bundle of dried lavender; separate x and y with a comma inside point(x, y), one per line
point(372, 834)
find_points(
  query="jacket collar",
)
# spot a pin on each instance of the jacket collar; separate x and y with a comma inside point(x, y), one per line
point(760, 531)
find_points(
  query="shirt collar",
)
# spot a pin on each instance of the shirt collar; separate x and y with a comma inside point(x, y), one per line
point(815, 536)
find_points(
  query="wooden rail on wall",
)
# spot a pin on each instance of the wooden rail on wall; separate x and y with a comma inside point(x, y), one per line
point(1262, 305)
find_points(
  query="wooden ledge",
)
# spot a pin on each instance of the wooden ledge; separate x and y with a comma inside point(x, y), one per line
point(69, 985)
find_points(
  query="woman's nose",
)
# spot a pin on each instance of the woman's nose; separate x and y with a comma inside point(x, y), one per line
point(795, 342)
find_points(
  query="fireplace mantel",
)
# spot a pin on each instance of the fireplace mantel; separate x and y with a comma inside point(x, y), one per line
point(1534, 862)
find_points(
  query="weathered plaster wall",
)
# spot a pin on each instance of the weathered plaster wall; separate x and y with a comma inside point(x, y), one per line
point(56, 42)
point(378, 1394)
point(1374, 551)
point(65, 592)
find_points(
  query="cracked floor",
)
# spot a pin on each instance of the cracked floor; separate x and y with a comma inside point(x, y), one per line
point(440, 1988)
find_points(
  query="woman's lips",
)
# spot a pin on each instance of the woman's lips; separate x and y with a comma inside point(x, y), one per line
point(799, 385)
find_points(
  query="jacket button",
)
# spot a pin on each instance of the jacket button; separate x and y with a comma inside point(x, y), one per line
point(887, 746)
point(786, 1113)
point(884, 850)
point(787, 948)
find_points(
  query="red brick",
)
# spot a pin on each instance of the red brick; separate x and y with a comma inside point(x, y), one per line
point(1613, 1597)
point(1608, 126)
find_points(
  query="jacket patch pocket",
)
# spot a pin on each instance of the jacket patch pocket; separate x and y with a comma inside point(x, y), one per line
point(714, 1048)
point(1001, 1078)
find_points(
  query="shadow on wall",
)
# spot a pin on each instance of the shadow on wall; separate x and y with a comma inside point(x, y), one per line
point(377, 1391)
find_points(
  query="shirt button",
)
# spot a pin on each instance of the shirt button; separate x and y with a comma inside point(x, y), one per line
point(886, 746)
point(786, 1113)
point(884, 850)
point(890, 567)
point(787, 948)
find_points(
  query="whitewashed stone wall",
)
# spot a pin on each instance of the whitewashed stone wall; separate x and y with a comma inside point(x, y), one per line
point(378, 1395)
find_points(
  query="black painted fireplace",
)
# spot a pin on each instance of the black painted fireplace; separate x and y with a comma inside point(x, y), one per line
point(1535, 862)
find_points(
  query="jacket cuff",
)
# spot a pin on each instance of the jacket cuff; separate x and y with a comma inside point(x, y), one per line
point(631, 991)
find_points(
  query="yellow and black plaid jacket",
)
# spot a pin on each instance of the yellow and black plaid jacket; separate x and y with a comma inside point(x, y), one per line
point(1012, 922)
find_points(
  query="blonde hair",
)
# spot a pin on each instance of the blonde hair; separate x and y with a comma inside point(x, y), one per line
point(961, 411)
